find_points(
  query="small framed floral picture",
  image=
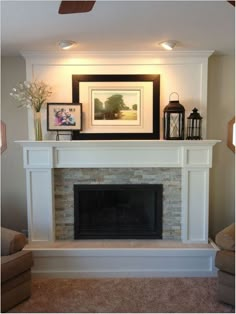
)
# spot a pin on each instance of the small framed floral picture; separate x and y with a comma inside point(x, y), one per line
point(64, 116)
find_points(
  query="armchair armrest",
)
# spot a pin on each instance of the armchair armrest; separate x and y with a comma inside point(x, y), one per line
point(225, 239)
point(11, 241)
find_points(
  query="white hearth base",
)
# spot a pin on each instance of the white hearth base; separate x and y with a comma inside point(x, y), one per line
point(127, 258)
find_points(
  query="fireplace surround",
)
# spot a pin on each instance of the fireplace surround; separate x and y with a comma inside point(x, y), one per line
point(193, 158)
point(66, 178)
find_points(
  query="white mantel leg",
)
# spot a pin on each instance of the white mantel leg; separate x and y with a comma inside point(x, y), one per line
point(195, 189)
point(38, 162)
point(40, 203)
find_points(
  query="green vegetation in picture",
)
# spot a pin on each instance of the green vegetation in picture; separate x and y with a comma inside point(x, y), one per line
point(116, 106)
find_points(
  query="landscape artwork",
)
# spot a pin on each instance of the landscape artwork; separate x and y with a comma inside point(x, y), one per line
point(116, 106)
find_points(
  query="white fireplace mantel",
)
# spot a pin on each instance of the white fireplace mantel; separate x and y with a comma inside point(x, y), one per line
point(193, 157)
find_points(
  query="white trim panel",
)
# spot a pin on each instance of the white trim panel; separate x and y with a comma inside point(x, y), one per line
point(198, 156)
point(117, 157)
point(40, 204)
point(195, 191)
point(125, 263)
point(38, 157)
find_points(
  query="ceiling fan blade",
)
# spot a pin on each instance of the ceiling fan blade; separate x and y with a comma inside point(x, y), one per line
point(232, 2)
point(82, 6)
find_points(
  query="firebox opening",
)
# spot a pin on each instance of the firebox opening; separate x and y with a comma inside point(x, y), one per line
point(127, 211)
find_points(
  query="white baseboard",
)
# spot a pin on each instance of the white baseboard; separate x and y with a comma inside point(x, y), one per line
point(92, 263)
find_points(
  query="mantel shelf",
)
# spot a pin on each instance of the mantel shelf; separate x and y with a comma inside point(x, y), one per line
point(118, 143)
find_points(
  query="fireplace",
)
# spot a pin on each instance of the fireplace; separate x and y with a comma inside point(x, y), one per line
point(54, 167)
point(118, 211)
point(182, 167)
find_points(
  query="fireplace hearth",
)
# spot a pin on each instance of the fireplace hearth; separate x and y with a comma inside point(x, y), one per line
point(118, 211)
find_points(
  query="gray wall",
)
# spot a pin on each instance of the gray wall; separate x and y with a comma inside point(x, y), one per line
point(13, 189)
point(220, 110)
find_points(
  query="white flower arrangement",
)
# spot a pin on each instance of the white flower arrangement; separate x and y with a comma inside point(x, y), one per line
point(31, 94)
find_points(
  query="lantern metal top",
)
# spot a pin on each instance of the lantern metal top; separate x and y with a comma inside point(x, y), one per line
point(195, 115)
point(172, 94)
point(174, 106)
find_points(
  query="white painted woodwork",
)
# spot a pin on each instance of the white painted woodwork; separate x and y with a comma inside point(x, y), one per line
point(194, 157)
point(195, 190)
point(182, 72)
point(40, 204)
point(38, 157)
point(123, 262)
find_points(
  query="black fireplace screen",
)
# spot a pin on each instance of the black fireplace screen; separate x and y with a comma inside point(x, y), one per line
point(132, 211)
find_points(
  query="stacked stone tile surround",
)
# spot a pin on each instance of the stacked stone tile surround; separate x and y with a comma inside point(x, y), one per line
point(64, 180)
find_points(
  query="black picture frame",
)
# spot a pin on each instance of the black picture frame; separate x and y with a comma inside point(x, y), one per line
point(72, 123)
point(116, 79)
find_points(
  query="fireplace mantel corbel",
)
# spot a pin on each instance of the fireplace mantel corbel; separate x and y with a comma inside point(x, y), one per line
point(193, 157)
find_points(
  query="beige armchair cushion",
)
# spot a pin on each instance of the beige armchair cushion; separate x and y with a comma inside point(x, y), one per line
point(15, 264)
point(225, 261)
point(15, 269)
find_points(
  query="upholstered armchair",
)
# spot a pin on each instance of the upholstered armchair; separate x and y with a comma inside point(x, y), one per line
point(225, 262)
point(15, 269)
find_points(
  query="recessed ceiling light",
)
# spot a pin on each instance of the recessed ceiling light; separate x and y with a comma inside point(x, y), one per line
point(168, 44)
point(66, 44)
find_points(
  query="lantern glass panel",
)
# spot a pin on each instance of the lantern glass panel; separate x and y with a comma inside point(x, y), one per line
point(194, 129)
point(175, 124)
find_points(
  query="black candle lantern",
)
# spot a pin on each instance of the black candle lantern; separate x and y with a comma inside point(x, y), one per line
point(194, 126)
point(174, 120)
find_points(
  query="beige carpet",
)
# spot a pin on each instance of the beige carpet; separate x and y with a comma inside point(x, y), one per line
point(124, 295)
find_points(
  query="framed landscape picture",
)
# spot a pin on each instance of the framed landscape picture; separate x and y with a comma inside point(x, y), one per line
point(118, 106)
point(64, 116)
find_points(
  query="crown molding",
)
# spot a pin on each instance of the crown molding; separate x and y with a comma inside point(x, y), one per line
point(116, 54)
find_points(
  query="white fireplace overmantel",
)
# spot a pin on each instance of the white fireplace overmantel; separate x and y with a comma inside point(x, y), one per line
point(193, 157)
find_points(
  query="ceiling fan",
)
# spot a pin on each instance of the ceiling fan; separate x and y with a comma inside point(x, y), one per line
point(82, 6)
point(232, 2)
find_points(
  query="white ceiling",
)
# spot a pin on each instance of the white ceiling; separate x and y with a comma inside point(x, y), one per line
point(119, 26)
